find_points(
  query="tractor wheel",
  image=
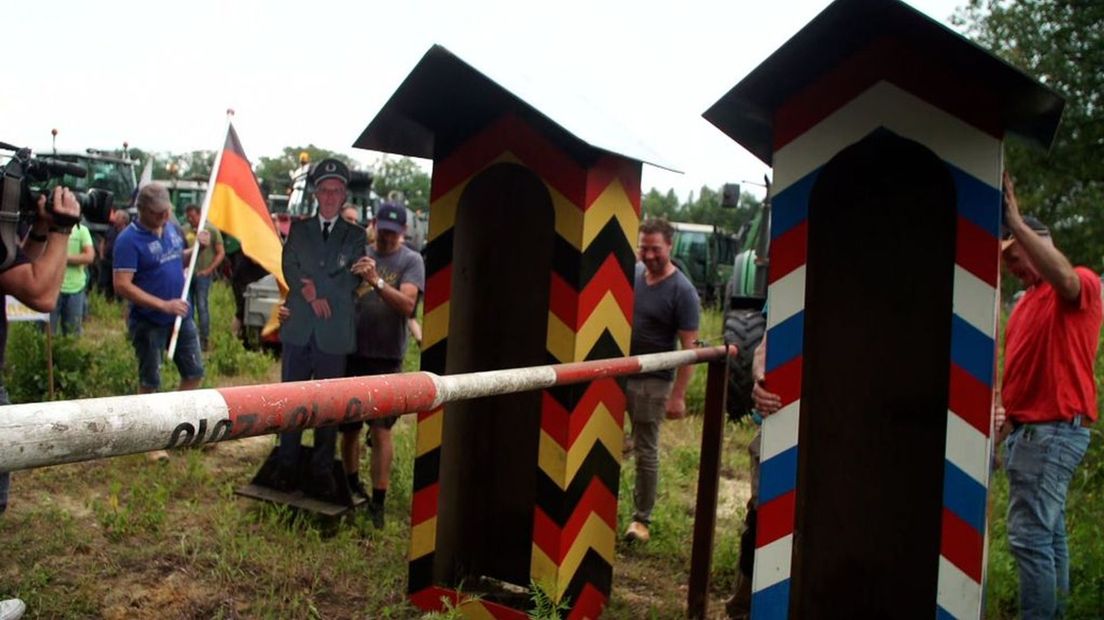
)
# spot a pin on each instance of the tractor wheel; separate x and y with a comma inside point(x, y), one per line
point(743, 328)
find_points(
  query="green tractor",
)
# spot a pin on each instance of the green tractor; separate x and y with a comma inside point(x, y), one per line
point(105, 171)
point(745, 298)
point(704, 254)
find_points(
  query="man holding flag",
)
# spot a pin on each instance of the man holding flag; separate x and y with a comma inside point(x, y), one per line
point(149, 273)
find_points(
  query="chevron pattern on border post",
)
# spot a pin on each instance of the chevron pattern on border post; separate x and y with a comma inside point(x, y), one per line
point(575, 523)
point(590, 316)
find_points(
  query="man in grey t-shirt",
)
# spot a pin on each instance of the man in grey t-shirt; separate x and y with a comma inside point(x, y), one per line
point(394, 277)
point(666, 310)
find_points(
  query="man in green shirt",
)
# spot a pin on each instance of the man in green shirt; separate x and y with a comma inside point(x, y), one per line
point(210, 257)
point(69, 311)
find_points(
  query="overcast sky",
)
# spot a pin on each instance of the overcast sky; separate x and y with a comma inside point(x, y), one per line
point(161, 75)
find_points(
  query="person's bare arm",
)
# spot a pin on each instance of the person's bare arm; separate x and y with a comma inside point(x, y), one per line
point(766, 402)
point(676, 402)
point(1053, 266)
point(402, 299)
point(127, 289)
point(38, 282)
point(220, 253)
point(87, 255)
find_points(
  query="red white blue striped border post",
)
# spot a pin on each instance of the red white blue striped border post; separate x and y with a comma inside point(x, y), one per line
point(973, 158)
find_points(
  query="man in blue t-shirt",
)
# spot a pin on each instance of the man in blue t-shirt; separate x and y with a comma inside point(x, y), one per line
point(149, 273)
point(666, 311)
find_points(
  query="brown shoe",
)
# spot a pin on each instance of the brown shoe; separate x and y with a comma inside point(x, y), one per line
point(158, 456)
point(637, 532)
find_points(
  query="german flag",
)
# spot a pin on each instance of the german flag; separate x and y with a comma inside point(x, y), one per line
point(238, 208)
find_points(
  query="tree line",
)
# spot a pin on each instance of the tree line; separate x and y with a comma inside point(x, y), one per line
point(1060, 43)
point(390, 174)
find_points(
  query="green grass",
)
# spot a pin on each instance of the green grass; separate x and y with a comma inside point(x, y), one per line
point(123, 537)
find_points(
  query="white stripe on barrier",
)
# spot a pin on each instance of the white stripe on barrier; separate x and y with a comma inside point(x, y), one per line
point(663, 361)
point(36, 434)
point(452, 388)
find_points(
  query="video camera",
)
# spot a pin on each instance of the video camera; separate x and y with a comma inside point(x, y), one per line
point(25, 177)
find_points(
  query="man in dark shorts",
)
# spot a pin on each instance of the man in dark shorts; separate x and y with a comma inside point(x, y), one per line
point(666, 311)
point(394, 278)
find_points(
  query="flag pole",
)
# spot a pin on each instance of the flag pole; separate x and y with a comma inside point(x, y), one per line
point(199, 228)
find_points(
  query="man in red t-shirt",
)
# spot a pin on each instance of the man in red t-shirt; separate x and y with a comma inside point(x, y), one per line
point(1049, 397)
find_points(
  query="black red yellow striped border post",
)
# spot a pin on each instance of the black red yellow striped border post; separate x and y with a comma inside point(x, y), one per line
point(479, 132)
point(590, 317)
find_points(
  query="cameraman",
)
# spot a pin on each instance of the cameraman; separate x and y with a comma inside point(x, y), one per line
point(34, 278)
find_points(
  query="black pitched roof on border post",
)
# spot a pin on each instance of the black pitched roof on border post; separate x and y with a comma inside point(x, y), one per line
point(444, 100)
point(746, 112)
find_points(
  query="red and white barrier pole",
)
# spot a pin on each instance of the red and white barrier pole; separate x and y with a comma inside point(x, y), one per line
point(50, 433)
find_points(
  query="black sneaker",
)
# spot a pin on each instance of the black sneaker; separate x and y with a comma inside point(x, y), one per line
point(375, 512)
point(356, 487)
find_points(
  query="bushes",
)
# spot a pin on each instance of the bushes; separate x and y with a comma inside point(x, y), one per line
point(101, 362)
point(84, 367)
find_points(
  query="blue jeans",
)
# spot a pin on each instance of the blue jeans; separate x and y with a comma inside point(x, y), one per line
point(1041, 462)
point(69, 312)
point(150, 341)
point(5, 477)
point(201, 290)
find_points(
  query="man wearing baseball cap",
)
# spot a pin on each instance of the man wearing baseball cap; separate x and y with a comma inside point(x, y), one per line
point(320, 332)
point(1048, 398)
point(393, 278)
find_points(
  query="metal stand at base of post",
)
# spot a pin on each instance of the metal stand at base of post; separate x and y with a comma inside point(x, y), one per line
point(261, 488)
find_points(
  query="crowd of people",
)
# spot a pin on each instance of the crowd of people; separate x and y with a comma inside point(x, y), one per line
point(354, 291)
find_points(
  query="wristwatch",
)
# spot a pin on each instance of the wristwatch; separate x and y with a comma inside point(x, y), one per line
point(379, 283)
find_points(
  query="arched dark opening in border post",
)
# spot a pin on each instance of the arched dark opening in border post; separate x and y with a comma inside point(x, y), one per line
point(502, 248)
point(874, 404)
